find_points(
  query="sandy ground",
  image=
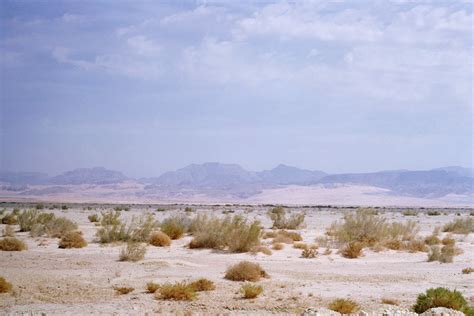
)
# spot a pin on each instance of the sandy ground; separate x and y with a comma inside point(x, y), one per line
point(80, 281)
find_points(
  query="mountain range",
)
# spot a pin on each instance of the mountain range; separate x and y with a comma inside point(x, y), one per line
point(217, 178)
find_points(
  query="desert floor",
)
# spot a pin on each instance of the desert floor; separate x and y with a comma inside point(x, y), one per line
point(80, 281)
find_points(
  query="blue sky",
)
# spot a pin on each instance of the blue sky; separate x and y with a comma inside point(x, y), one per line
point(150, 86)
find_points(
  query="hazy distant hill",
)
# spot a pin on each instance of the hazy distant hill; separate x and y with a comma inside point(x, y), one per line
point(418, 183)
point(283, 174)
point(97, 175)
point(22, 178)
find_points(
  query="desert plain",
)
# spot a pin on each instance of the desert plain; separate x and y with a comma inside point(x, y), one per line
point(47, 279)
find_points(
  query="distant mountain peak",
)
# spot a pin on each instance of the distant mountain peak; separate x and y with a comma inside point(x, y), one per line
point(94, 175)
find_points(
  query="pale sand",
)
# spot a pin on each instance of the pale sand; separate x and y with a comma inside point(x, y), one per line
point(80, 281)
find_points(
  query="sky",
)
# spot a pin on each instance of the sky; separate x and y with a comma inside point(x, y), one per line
point(146, 87)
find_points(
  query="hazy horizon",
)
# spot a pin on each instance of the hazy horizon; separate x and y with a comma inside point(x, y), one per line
point(148, 87)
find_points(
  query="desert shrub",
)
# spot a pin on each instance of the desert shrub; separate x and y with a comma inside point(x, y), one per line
point(12, 244)
point(72, 239)
point(448, 240)
point(160, 210)
point(294, 236)
point(280, 221)
point(10, 219)
point(300, 245)
point(94, 218)
point(262, 249)
point(152, 287)
point(232, 233)
point(245, 271)
point(5, 286)
point(174, 227)
point(309, 253)
point(39, 206)
point(179, 291)
point(409, 213)
point(202, 284)
point(344, 306)
point(269, 234)
point(28, 218)
point(352, 250)
point(433, 213)
point(278, 246)
point(440, 297)
point(368, 230)
point(444, 254)
point(159, 239)
point(113, 229)
point(460, 226)
point(415, 245)
point(389, 301)
point(122, 290)
point(59, 226)
point(188, 209)
point(8, 231)
point(64, 207)
point(250, 290)
point(467, 270)
point(432, 240)
point(44, 224)
point(133, 251)
point(434, 253)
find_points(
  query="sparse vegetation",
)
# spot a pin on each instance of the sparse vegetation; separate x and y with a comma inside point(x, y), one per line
point(344, 306)
point(278, 246)
point(280, 221)
point(390, 301)
point(138, 229)
point(245, 271)
point(39, 224)
point(432, 240)
point(94, 218)
point(352, 250)
point(133, 251)
point(122, 290)
point(160, 239)
point(10, 219)
point(231, 233)
point(152, 287)
point(202, 284)
point(309, 253)
point(440, 297)
point(5, 286)
point(444, 254)
point(179, 291)
point(72, 239)
point(174, 227)
point(12, 244)
point(460, 226)
point(39, 206)
point(263, 249)
point(250, 290)
point(8, 231)
point(433, 213)
point(467, 270)
point(409, 213)
point(286, 237)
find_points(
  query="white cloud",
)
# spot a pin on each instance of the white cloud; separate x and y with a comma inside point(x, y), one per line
point(143, 46)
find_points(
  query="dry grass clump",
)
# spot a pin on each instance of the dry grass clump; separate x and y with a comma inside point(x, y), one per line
point(245, 271)
point(344, 306)
point(8, 231)
point(309, 253)
point(409, 213)
point(133, 251)
point(269, 234)
point(287, 237)
point(175, 227)
point(390, 301)
point(433, 213)
point(159, 239)
point(12, 244)
point(415, 245)
point(263, 249)
point(94, 218)
point(152, 287)
point(72, 240)
point(10, 219)
point(448, 240)
point(280, 221)
point(122, 290)
point(231, 233)
point(278, 246)
point(5, 286)
point(432, 240)
point(300, 245)
point(467, 270)
point(444, 254)
point(352, 250)
point(250, 290)
point(441, 297)
point(179, 291)
point(203, 284)
point(113, 229)
point(460, 226)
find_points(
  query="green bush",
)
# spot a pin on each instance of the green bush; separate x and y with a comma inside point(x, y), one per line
point(440, 297)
